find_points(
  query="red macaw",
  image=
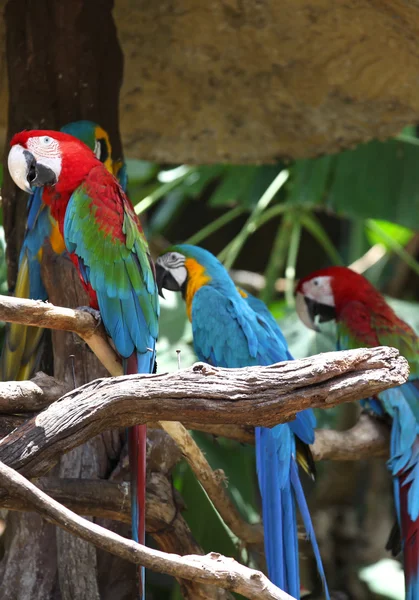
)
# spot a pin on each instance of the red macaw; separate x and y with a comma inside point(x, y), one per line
point(106, 243)
point(22, 344)
point(364, 319)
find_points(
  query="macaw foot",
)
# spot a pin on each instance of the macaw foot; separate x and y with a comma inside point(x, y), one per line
point(92, 311)
point(380, 418)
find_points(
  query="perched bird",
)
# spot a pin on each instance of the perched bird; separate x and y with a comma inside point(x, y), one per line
point(22, 344)
point(364, 319)
point(105, 241)
point(234, 329)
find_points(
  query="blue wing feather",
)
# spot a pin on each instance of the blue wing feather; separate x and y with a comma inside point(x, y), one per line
point(230, 331)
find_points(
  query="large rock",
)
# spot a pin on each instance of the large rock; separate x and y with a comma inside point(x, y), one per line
point(251, 81)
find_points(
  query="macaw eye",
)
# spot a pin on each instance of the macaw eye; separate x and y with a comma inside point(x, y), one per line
point(46, 140)
point(316, 281)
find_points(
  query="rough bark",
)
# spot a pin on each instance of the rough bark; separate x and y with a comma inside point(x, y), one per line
point(256, 395)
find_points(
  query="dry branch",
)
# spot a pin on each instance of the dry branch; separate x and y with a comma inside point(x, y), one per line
point(368, 438)
point(256, 395)
point(212, 569)
point(44, 314)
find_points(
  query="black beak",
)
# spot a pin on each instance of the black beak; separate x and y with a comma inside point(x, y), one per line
point(165, 280)
point(316, 309)
point(38, 174)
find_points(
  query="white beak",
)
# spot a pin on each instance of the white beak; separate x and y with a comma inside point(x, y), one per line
point(19, 162)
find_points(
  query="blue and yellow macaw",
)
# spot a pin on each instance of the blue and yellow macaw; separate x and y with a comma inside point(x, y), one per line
point(233, 329)
point(22, 344)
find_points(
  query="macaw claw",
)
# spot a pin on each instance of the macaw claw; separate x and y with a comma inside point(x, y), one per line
point(92, 311)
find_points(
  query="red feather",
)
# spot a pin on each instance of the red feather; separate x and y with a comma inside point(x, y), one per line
point(410, 532)
point(349, 287)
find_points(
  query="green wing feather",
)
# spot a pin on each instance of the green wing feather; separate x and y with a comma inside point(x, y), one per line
point(102, 231)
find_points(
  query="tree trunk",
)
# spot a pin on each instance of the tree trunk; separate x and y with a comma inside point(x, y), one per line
point(64, 64)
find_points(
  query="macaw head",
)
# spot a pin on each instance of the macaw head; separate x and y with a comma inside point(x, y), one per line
point(185, 267)
point(324, 294)
point(49, 158)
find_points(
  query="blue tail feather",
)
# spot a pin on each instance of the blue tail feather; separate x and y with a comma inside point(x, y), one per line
point(273, 454)
point(281, 490)
point(305, 514)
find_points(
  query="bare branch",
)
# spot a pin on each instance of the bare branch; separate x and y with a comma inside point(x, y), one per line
point(44, 314)
point(256, 395)
point(30, 396)
point(212, 569)
point(111, 500)
point(367, 439)
point(213, 483)
point(36, 313)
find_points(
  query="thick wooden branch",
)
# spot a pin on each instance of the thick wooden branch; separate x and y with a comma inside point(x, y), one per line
point(257, 395)
point(44, 314)
point(368, 438)
point(212, 569)
point(321, 374)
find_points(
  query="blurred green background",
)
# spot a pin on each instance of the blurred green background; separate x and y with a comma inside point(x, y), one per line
point(272, 224)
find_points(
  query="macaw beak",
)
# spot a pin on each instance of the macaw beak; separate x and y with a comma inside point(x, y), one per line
point(306, 310)
point(166, 280)
point(161, 276)
point(26, 171)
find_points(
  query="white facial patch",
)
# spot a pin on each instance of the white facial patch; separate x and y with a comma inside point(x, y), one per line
point(46, 151)
point(320, 290)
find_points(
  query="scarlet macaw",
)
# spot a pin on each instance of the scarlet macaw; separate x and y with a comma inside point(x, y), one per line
point(364, 319)
point(105, 241)
point(234, 329)
point(22, 345)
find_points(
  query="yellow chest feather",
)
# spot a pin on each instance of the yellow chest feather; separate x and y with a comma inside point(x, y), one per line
point(196, 279)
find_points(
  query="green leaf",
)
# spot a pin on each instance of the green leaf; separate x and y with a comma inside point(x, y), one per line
point(201, 516)
point(379, 180)
point(196, 183)
point(309, 179)
point(239, 465)
point(401, 235)
point(232, 188)
point(140, 171)
point(175, 334)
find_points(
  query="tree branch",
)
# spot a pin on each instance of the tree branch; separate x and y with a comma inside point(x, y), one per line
point(212, 569)
point(369, 438)
point(111, 500)
point(44, 314)
point(256, 395)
